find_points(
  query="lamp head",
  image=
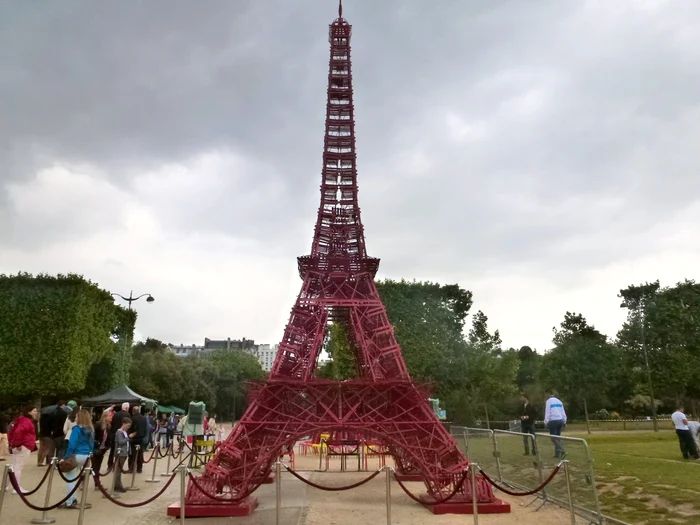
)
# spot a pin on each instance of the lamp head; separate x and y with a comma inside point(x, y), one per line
point(150, 299)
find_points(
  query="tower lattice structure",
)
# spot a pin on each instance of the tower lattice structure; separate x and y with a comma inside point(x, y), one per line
point(338, 286)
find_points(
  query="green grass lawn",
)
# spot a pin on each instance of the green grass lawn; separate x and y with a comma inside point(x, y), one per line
point(643, 479)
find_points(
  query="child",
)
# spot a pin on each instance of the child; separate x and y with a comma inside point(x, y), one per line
point(122, 446)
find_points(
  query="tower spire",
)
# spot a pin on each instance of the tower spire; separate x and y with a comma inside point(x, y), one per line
point(340, 8)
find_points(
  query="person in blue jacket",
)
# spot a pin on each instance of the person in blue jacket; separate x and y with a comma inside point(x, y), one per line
point(80, 443)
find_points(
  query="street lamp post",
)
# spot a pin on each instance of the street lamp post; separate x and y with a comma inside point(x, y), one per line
point(130, 299)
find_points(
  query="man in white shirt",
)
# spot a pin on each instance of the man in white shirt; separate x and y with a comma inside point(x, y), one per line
point(555, 421)
point(685, 437)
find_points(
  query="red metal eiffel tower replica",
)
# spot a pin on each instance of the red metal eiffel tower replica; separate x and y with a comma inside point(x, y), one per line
point(338, 287)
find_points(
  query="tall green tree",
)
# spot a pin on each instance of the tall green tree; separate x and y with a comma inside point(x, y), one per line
point(236, 370)
point(661, 334)
point(582, 365)
point(342, 363)
point(481, 375)
point(53, 330)
point(428, 320)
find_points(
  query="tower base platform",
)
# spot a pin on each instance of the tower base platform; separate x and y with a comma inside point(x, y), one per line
point(409, 477)
point(462, 505)
point(216, 510)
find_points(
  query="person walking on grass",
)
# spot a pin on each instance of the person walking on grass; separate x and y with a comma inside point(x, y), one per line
point(685, 437)
point(527, 424)
point(555, 421)
point(81, 443)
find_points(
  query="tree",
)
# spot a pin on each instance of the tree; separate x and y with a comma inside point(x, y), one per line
point(236, 369)
point(219, 378)
point(582, 364)
point(661, 332)
point(482, 374)
point(53, 329)
point(529, 368)
point(428, 320)
point(342, 363)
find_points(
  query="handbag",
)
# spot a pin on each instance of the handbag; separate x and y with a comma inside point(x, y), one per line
point(68, 464)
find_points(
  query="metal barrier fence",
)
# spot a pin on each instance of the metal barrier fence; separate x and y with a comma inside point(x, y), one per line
point(524, 461)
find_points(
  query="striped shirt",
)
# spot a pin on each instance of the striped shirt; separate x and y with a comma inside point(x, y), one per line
point(554, 411)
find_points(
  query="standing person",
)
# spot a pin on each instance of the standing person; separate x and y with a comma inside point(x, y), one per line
point(103, 441)
point(116, 425)
point(81, 443)
point(4, 447)
point(685, 438)
point(122, 450)
point(47, 445)
point(527, 424)
point(68, 426)
point(139, 435)
point(163, 430)
point(555, 421)
point(172, 428)
point(211, 426)
point(694, 428)
point(22, 440)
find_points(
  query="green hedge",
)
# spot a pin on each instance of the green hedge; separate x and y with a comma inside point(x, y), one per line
point(53, 329)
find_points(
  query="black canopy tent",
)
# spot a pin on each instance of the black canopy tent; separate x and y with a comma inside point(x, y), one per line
point(121, 394)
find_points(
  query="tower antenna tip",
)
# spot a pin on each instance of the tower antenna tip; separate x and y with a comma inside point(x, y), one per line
point(340, 8)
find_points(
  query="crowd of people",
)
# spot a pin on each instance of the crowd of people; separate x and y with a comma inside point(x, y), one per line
point(73, 434)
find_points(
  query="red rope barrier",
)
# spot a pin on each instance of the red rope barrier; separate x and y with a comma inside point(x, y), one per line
point(46, 475)
point(332, 489)
point(219, 498)
point(458, 486)
point(527, 493)
point(107, 495)
point(15, 485)
point(152, 454)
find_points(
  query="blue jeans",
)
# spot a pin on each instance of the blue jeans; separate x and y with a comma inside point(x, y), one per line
point(73, 474)
point(555, 428)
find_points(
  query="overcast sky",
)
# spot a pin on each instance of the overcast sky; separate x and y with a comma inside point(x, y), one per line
point(540, 154)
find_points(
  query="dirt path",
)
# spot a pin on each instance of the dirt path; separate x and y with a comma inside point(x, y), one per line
point(302, 505)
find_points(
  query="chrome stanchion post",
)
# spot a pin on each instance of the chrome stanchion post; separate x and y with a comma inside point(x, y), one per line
point(388, 494)
point(320, 454)
point(278, 491)
point(540, 474)
point(475, 505)
point(44, 518)
point(112, 492)
point(361, 456)
point(155, 461)
point(5, 480)
point(133, 469)
point(171, 453)
point(568, 491)
point(83, 497)
point(183, 489)
point(497, 455)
